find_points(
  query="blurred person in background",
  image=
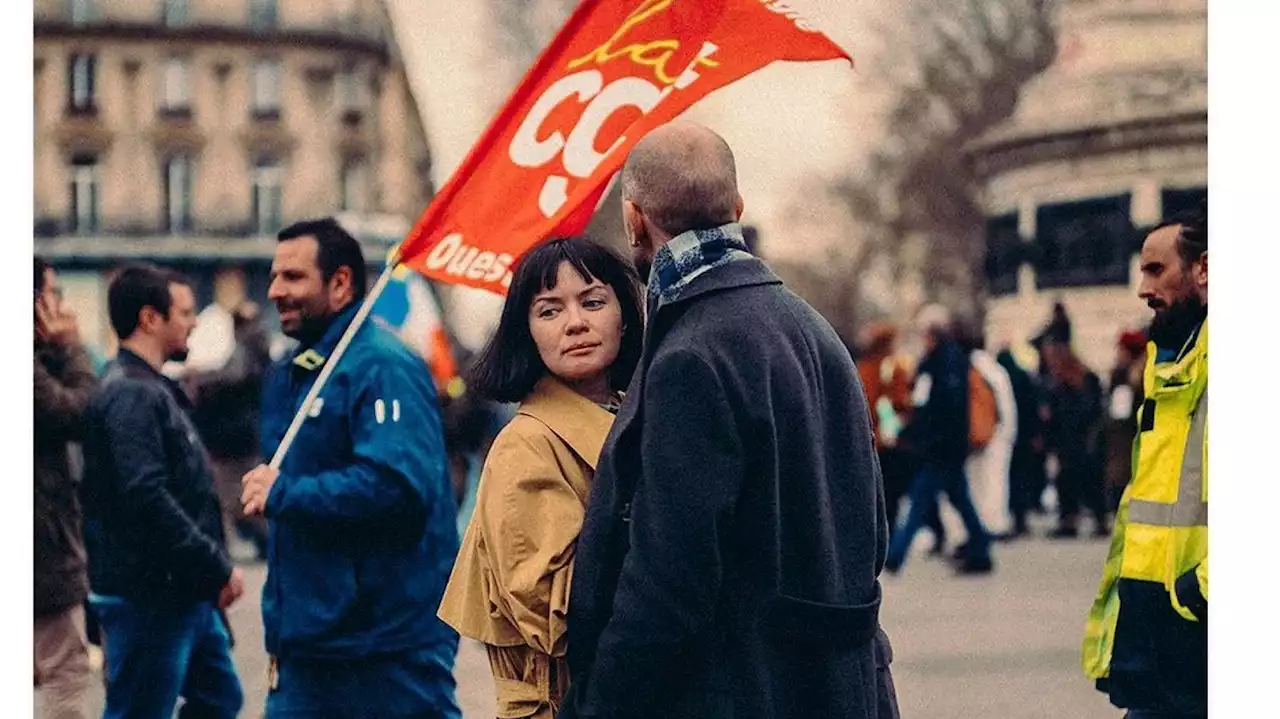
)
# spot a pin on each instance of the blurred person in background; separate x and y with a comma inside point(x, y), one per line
point(939, 436)
point(1026, 466)
point(1147, 641)
point(227, 414)
point(565, 349)
point(1075, 438)
point(1124, 396)
point(158, 565)
point(888, 386)
point(63, 381)
point(1059, 327)
point(988, 467)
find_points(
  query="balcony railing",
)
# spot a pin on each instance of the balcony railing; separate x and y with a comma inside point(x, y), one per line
point(341, 33)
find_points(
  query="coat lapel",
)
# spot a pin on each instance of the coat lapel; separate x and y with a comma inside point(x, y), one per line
point(581, 423)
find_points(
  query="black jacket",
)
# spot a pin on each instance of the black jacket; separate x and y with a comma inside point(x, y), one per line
point(227, 400)
point(728, 561)
point(939, 429)
point(152, 520)
point(63, 380)
point(1029, 397)
point(1075, 422)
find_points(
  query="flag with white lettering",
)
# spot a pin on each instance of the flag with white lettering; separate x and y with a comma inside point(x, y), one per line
point(616, 70)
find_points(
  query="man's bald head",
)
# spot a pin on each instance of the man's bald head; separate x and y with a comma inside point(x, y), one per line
point(683, 177)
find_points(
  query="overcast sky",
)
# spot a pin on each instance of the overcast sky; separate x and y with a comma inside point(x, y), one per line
point(790, 124)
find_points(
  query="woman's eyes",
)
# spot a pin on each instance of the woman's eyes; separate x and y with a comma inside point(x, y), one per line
point(592, 303)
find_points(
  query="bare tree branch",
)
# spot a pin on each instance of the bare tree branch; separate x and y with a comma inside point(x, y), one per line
point(965, 62)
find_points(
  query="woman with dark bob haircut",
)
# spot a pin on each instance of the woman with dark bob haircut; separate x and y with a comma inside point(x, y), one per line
point(566, 346)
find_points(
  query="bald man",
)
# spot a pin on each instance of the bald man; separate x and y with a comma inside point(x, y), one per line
point(729, 558)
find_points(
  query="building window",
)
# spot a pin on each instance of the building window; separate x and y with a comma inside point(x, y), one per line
point(354, 187)
point(263, 14)
point(1084, 243)
point(353, 94)
point(267, 176)
point(1004, 254)
point(175, 13)
point(83, 12)
point(84, 194)
point(266, 88)
point(1179, 200)
point(80, 82)
point(177, 193)
point(175, 87)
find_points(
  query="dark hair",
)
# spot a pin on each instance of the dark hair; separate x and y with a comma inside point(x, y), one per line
point(1193, 232)
point(336, 248)
point(136, 287)
point(509, 365)
point(969, 334)
point(41, 269)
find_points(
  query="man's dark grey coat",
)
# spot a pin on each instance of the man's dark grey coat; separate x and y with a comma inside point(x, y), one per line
point(728, 562)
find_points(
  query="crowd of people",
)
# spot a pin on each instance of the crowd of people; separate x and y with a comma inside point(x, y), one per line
point(994, 436)
point(687, 515)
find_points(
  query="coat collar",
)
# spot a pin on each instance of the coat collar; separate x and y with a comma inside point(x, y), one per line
point(581, 423)
point(133, 366)
point(1187, 367)
point(313, 358)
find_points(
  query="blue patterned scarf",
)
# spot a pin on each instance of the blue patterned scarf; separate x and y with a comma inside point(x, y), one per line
point(690, 254)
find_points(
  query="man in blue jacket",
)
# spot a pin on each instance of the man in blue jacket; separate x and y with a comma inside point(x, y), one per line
point(361, 515)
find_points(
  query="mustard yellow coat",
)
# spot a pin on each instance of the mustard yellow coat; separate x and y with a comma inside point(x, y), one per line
point(510, 585)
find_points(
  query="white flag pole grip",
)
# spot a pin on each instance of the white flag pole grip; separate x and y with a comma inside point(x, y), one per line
point(332, 361)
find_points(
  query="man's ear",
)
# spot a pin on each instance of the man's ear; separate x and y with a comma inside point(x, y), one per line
point(1200, 271)
point(148, 318)
point(738, 206)
point(340, 287)
point(633, 217)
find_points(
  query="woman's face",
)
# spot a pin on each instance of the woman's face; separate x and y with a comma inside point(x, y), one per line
point(577, 326)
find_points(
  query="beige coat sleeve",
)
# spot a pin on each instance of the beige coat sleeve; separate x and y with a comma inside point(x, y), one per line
point(531, 518)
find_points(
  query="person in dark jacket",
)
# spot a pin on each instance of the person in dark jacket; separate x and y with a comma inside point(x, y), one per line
point(1125, 394)
point(63, 380)
point(1075, 436)
point(158, 565)
point(227, 414)
point(1028, 447)
point(939, 435)
point(361, 512)
point(729, 557)
point(887, 384)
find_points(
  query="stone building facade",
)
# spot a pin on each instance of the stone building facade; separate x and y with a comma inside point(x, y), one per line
point(1110, 139)
point(187, 132)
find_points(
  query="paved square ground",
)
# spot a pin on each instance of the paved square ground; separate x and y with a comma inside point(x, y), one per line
point(1005, 646)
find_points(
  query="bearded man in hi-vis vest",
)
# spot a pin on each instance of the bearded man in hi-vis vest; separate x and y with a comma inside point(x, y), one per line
point(1146, 643)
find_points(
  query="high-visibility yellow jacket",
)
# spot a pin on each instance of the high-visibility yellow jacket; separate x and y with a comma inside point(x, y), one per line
point(1146, 639)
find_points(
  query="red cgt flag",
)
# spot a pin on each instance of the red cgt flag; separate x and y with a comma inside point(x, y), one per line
point(616, 70)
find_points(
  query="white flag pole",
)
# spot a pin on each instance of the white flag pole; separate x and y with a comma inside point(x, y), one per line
point(332, 361)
